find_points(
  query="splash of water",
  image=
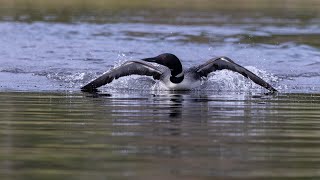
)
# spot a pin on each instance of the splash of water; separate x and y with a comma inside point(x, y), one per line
point(219, 81)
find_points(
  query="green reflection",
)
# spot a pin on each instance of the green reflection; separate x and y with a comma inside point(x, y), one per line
point(114, 11)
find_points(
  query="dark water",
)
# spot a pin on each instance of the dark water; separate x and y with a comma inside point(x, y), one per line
point(159, 136)
point(227, 129)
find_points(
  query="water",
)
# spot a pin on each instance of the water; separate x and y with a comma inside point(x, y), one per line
point(227, 129)
point(172, 136)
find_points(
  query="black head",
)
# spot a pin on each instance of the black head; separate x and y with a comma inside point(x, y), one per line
point(169, 60)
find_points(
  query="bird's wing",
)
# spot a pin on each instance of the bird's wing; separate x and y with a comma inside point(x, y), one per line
point(226, 63)
point(126, 69)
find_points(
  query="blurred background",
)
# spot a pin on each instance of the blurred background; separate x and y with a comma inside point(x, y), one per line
point(102, 11)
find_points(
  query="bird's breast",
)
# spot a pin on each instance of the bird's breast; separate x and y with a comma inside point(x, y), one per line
point(188, 83)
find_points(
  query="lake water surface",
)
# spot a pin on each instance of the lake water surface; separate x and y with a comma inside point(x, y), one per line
point(229, 128)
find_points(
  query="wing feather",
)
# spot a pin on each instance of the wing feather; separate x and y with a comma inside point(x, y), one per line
point(226, 63)
point(126, 69)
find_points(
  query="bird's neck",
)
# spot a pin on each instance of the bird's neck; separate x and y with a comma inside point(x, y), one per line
point(177, 78)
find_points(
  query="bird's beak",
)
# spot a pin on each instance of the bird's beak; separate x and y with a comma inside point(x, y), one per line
point(154, 60)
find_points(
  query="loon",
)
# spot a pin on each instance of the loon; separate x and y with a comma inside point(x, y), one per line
point(168, 69)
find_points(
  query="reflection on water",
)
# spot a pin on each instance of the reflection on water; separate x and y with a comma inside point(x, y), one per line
point(156, 11)
point(159, 136)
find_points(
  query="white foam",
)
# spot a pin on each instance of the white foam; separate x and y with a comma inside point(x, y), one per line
point(231, 81)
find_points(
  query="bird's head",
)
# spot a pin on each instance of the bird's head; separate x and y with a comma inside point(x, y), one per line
point(169, 60)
